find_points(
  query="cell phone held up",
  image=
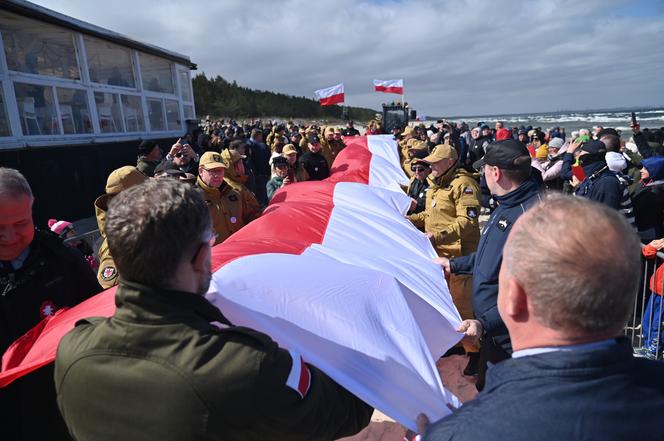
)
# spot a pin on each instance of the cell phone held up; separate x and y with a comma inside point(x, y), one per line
point(634, 123)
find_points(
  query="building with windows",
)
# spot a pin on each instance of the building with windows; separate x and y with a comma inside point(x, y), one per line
point(76, 99)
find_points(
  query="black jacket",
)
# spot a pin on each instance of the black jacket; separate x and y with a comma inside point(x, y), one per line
point(52, 277)
point(259, 155)
point(417, 190)
point(484, 264)
point(584, 394)
point(316, 166)
point(476, 150)
point(649, 211)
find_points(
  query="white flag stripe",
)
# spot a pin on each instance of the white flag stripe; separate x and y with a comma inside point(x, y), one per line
point(388, 83)
point(329, 91)
point(384, 154)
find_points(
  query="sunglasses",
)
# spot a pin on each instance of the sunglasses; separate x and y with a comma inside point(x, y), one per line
point(419, 169)
point(179, 155)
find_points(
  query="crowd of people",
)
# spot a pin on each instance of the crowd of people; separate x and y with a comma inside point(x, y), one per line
point(530, 279)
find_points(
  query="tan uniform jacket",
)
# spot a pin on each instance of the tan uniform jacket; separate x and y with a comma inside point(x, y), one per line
point(107, 275)
point(326, 151)
point(226, 209)
point(251, 207)
point(451, 214)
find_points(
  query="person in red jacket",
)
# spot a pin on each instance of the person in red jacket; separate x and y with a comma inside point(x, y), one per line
point(652, 321)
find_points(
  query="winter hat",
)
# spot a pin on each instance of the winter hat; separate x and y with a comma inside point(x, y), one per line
point(556, 143)
point(59, 227)
point(542, 152)
point(616, 161)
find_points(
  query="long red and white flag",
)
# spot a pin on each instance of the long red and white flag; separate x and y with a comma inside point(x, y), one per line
point(335, 273)
point(331, 95)
point(388, 86)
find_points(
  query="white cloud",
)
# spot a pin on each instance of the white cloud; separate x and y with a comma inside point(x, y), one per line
point(457, 57)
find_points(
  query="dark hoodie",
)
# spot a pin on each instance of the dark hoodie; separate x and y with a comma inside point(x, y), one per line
point(648, 201)
point(601, 184)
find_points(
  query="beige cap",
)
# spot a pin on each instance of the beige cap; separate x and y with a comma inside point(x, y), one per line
point(211, 160)
point(407, 131)
point(231, 156)
point(440, 152)
point(124, 178)
point(288, 149)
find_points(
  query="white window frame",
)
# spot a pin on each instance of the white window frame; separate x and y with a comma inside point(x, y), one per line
point(17, 139)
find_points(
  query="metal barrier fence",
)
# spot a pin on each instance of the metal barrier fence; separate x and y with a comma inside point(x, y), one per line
point(645, 329)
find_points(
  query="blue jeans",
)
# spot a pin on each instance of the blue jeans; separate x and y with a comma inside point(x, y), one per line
point(653, 328)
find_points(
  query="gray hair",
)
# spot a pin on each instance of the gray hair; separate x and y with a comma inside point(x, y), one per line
point(578, 261)
point(152, 227)
point(13, 183)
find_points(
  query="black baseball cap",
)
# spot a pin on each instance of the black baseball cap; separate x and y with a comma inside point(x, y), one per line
point(505, 154)
point(594, 147)
point(313, 139)
point(279, 161)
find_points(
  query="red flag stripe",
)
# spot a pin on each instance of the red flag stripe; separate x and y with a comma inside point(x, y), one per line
point(398, 90)
point(332, 99)
point(305, 379)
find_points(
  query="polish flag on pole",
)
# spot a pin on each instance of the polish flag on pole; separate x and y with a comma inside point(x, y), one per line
point(331, 95)
point(389, 86)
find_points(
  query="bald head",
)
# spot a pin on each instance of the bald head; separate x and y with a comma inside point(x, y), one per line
point(578, 263)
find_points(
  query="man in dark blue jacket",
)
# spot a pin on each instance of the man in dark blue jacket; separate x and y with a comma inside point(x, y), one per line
point(570, 377)
point(601, 184)
point(507, 170)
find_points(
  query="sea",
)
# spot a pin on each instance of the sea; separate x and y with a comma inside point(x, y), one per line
point(619, 119)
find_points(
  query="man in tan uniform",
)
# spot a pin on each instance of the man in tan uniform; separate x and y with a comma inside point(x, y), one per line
point(450, 219)
point(119, 180)
point(235, 176)
point(226, 206)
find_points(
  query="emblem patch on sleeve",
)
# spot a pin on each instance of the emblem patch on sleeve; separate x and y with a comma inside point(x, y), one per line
point(467, 190)
point(109, 272)
point(471, 212)
point(299, 378)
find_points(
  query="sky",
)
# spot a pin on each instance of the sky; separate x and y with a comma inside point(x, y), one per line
point(457, 57)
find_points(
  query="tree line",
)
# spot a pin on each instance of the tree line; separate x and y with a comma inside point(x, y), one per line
point(221, 98)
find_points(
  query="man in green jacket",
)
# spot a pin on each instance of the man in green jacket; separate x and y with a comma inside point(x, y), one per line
point(168, 365)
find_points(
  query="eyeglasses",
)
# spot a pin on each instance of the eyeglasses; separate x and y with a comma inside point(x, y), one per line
point(419, 169)
point(179, 155)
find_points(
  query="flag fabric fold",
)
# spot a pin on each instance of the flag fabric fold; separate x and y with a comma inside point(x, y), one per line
point(330, 95)
point(335, 273)
point(388, 86)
